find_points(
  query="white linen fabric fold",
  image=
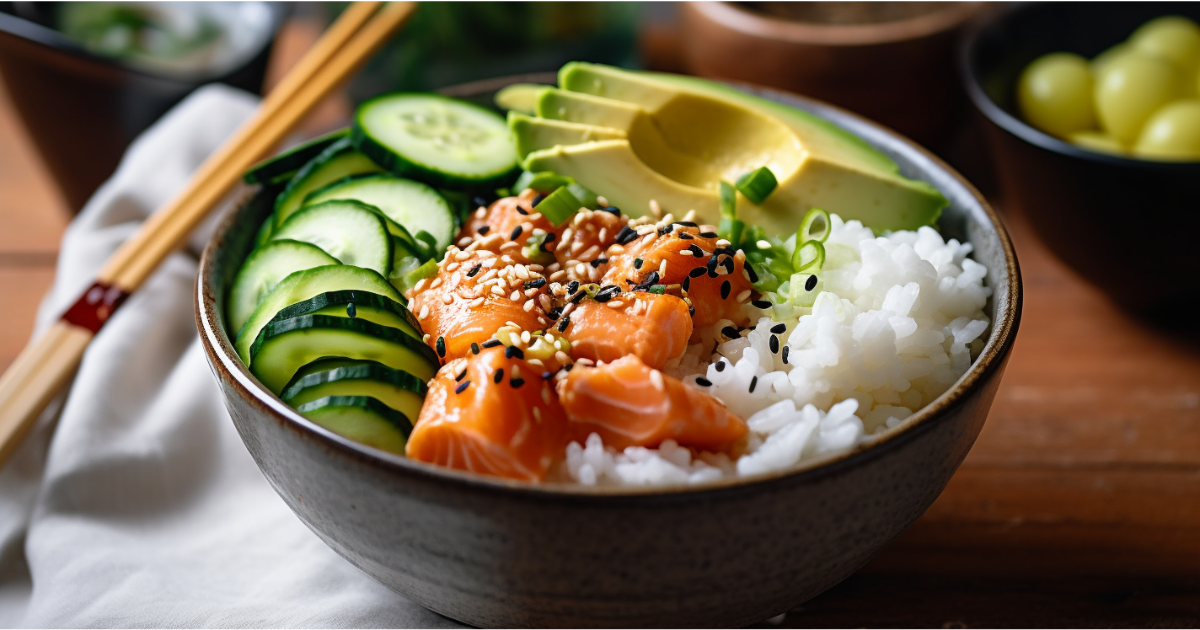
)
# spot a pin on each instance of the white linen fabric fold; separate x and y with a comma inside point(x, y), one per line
point(143, 508)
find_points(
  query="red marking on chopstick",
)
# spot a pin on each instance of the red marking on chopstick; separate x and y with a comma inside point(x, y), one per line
point(95, 306)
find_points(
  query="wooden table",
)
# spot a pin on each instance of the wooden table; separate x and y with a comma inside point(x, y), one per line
point(1079, 504)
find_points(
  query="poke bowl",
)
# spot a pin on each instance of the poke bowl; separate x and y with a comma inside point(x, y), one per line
point(584, 546)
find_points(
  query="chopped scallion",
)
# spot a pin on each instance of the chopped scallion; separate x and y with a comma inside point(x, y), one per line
point(814, 226)
point(804, 289)
point(541, 181)
point(758, 184)
point(728, 201)
point(559, 206)
point(809, 256)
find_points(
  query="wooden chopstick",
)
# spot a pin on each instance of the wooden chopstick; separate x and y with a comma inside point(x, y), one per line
point(47, 363)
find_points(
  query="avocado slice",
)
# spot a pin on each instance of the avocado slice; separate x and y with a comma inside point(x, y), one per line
point(680, 142)
point(532, 133)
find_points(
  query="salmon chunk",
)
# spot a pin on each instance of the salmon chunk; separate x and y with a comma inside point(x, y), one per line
point(654, 328)
point(629, 403)
point(491, 413)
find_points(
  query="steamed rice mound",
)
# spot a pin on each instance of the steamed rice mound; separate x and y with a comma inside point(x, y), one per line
point(898, 321)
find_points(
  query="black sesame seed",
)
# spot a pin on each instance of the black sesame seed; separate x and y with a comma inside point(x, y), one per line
point(351, 310)
point(484, 230)
point(513, 351)
point(625, 235)
point(597, 262)
point(685, 236)
point(550, 236)
point(686, 284)
point(538, 199)
point(569, 366)
point(441, 346)
point(572, 286)
point(491, 343)
point(730, 332)
point(691, 224)
point(774, 343)
point(761, 303)
point(578, 297)
point(562, 325)
point(613, 210)
point(474, 348)
point(779, 329)
point(516, 382)
point(499, 376)
point(696, 251)
point(711, 267)
point(536, 283)
point(785, 354)
point(753, 384)
point(697, 272)
point(663, 230)
point(725, 289)
point(750, 272)
point(462, 387)
point(611, 291)
point(554, 313)
point(709, 234)
point(461, 375)
point(547, 376)
point(720, 365)
point(523, 210)
point(811, 283)
point(516, 234)
point(728, 264)
point(691, 311)
point(474, 270)
point(703, 382)
point(637, 263)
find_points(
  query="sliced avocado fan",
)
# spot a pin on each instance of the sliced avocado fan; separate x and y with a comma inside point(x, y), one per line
point(636, 137)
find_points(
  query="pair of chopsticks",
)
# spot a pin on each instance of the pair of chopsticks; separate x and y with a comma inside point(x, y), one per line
point(47, 363)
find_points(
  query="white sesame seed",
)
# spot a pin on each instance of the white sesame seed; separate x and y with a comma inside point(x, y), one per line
point(685, 252)
point(476, 302)
point(513, 324)
point(516, 295)
point(722, 243)
point(465, 241)
point(557, 275)
point(497, 289)
point(743, 296)
point(509, 245)
point(690, 216)
point(656, 379)
point(437, 282)
point(603, 234)
point(535, 216)
point(567, 309)
point(531, 291)
point(581, 269)
point(522, 272)
point(615, 304)
point(481, 212)
point(655, 209)
point(591, 253)
point(538, 231)
point(585, 361)
point(562, 357)
point(662, 269)
point(506, 259)
point(447, 298)
point(420, 284)
point(424, 312)
point(528, 306)
point(461, 256)
point(425, 338)
point(455, 278)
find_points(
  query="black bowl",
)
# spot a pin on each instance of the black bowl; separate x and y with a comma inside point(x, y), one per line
point(1127, 226)
point(82, 110)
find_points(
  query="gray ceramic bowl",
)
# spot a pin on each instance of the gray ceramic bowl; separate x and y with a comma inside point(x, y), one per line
point(492, 552)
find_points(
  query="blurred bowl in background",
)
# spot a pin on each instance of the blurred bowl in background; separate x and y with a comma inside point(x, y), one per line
point(84, 99)
point(889, 61)
point(1127, 226)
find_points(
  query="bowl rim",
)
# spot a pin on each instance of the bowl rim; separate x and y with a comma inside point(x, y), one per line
point(756, 24)
point(970, 75)
point(224, 359)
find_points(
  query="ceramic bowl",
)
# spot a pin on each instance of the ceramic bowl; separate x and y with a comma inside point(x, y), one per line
point(899, 72)
point(1096, 212)
point(492, 552)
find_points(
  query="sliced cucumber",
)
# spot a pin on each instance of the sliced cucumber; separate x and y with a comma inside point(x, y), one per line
point(339, 160)
point(304, 285)
point(282, 167)
point(362, 419)
point(348, 230)
point(264, 268)
point(396, 389)
point(283, 347)
point(409, 203)
point(264, 232)
point(372, 307)
point(439, 140)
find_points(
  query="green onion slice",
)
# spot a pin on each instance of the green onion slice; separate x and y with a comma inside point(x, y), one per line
point(815, 226)
point(542, 181)
point(559, 206)
point(809, 256)
point(728, 201)
point(758, 184)
point(804, 289)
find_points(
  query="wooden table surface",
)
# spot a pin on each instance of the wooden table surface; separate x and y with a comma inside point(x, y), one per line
point(1079, 505)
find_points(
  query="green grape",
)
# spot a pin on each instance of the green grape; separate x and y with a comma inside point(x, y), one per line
point(1172, 133)
point(1102, 61)
point(1097, 141)
point(1132, 88)
point(1055, 94)
point(1172, 38)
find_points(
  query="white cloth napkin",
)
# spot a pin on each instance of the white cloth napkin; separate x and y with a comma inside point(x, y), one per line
point(143, 508)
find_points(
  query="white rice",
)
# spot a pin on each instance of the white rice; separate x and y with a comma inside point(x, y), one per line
point(898, 321)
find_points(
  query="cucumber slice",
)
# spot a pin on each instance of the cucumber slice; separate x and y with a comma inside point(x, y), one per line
point(283, 347)
point(264, 232)
point(339, 160)
point(409, 203)
point(282, 167)
point(372, 307)
point(362, 419)
point(350, 231)
point(396, 389)
point(264, 268)
point(437, 139)
point(303, 285)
